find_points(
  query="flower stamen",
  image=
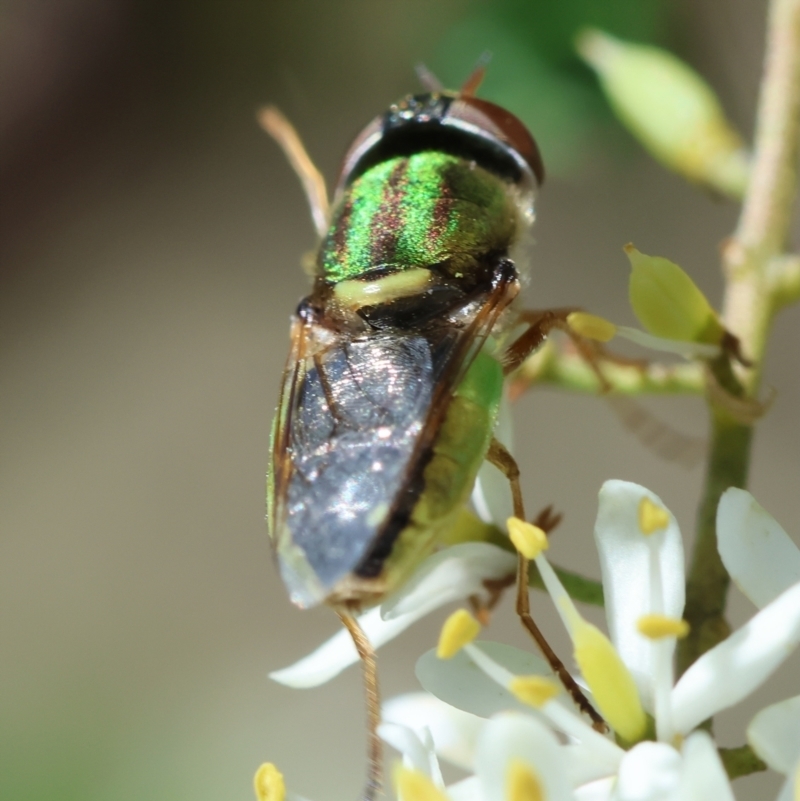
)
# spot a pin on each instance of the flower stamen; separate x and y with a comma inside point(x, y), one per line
point(458, 630)
point(559, 716)
point(528, 539)
point(413, 785)
point(657, 627)
point(591, 326)
point(652, 517)
point(268, 783)
point(535, 691)
point(523, 783)
point(609, 679)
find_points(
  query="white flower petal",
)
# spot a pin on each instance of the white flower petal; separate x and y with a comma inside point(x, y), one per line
point(600, 790)
point(625, 563)
point(461, 683)
point(417, 750)
point(774, 734)
point(586, 763)
point(337, 653)
point(491, 495)
point(649, 772)
point(466, 790)
point(454, 731)
point(731, 670)
point(559, 714)
point(703, 774)
point(787, 791)
point(449, 575)
point(515, 736)
point(760, 556)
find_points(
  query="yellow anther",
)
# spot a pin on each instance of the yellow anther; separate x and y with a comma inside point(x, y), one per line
point(610, 681)
point(535, 691)
point(411, 785)
point(528, 539)
point(797, 783)
point(656, 627)
point(268, 783)
point(458, 630)
point(523, 783)
point(651, 517)
point(591, 326)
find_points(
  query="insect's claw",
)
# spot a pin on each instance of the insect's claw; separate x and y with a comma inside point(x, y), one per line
point(547, 520)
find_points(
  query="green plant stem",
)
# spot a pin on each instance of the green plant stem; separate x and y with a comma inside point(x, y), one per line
point(740, 761)
point(571, 371)
point(750, 302)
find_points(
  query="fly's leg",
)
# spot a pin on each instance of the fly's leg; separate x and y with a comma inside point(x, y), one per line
point(659, 437)
point(540, 324)
point(499, 456)
point(283, 132)
point(366, 652)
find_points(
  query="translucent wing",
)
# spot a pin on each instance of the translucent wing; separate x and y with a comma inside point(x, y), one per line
point(356, 419)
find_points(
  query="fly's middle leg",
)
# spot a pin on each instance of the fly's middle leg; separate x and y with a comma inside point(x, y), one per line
point(499, 456)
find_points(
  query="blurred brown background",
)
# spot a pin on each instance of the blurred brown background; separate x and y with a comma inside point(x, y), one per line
point(151, 239)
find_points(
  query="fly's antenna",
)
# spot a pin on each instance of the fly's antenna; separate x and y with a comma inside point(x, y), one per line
point(283, 132)
point(428, 79)
point(475, 78)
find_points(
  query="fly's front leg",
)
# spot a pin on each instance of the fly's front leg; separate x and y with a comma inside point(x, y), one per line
point(369, 661)
point(540, 324)
point(499, 456)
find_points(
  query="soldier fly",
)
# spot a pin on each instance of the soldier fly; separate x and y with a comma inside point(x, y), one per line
point(398, 356)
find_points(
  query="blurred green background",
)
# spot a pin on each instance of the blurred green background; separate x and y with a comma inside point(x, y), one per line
point(151, 242)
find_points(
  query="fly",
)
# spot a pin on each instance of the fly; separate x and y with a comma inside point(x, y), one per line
point(398, 356)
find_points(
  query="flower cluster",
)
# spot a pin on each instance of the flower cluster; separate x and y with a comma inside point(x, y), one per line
point(496, 711)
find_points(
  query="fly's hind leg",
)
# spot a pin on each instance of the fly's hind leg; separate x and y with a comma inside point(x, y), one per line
point(369, 661)
point(499, 456)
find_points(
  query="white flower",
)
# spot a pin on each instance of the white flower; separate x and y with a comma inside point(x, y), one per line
point(774, 734)
point(631, 676)
point(511, 754)
point(516, 747)
point(450, 575)
point(759, 555)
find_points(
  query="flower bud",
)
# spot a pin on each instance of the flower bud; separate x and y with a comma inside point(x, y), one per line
point(671, 110)
point(668, 303)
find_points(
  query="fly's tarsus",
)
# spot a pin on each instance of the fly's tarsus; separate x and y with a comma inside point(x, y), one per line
point(499, 456)
point(369, 661)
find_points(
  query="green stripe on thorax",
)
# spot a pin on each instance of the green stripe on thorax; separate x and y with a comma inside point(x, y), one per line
point(416, 211)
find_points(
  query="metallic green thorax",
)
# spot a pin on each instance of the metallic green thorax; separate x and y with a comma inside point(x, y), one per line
point(416, 211)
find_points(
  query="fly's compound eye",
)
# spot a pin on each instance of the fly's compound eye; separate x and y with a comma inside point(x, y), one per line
point(494, 121)
point(463, 125)
point(414, 112)
point(364, 142)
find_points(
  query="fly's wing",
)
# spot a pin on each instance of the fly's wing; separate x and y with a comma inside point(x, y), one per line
point(353, 420)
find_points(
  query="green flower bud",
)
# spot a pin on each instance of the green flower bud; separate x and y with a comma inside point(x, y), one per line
point(668, 303)
point(670, 109)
